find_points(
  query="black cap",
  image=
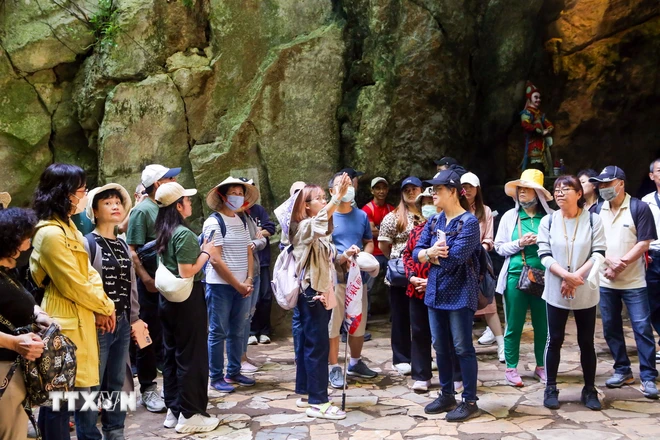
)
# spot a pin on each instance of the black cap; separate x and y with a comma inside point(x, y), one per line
point(609, 173)
point(446, 161)
point(351, 172)
point(446, 177)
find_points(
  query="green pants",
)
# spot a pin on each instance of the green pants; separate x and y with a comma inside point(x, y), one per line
point(516, 304)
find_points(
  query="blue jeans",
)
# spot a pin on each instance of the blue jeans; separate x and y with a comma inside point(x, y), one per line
point(228, 316)
point(113, 352)
point(313, 348)
point(253, 306)
point(637, 303)
point(296, 330)
point(454, 327)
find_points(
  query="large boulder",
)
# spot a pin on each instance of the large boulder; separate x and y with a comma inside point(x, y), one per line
point(144, 123)
point(24, 135)
point(286, 123)
point(40, 35)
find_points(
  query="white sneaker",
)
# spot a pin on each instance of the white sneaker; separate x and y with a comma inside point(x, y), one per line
point(421, 385)
point(197, 423)
point(247, 367)
point(264, 339)
point(500, 353)
point(170, 420)
point(152, 401)
point(487, 338)
point(458, 387)
point(252, 340)
point(403, 368)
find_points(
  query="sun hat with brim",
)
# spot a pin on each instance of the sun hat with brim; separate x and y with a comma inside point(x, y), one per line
point(609, 173)
point(93, 193)
point(214, 200)
point(446, 177)
point(531, 178)
point(5, 199)
point(471, 179)
point(170, 192)
point(368, 263)
point(425, 193)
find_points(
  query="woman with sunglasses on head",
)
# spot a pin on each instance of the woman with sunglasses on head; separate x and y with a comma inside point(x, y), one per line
point(185, 356)
point(392, 237)
point(570, 241)
point(306, 218)
point(516, 242)
point(73, 288)
point(451, 244)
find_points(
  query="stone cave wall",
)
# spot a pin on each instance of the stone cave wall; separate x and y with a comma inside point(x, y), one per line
point(285, 90)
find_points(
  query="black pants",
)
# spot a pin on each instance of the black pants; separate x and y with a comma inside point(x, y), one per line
point(186, 362)
point(150, 356)
point(653, 285)
point(400, 313)
point(261, 320)
point(420, 348)
point(585, 321)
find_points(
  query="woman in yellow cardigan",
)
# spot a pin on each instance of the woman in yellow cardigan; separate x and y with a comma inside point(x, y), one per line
point(74, 294)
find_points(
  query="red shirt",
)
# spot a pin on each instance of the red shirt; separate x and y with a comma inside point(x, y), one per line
point(376, 214)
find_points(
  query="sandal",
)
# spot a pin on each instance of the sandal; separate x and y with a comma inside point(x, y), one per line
point(302, 403)
point(325, 411)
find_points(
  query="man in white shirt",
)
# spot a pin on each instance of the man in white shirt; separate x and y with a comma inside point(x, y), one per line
point(629, 229)
point(653, 269)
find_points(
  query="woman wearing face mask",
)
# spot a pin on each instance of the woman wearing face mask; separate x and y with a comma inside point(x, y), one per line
point(417, 274)
point(472, 188)
point(229, 280)
point(73, 288)
point(591, 196)
point(516, 241)
point(185, 358)
point(392, 238)
point(570, 241)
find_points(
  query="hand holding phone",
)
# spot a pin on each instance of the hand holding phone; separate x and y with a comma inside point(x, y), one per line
point(211, 235)
point(140, 334)
point(442, 238)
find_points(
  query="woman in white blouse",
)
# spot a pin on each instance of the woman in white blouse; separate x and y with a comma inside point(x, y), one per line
point(571, 246)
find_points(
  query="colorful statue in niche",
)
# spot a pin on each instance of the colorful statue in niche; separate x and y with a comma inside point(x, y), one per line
point(537, 132)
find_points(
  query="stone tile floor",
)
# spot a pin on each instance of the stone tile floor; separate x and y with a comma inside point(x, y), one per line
point(385, 408)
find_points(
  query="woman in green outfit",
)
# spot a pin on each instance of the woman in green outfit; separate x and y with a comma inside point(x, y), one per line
point(516, 241)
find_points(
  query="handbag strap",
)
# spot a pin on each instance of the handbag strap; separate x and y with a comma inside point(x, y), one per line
point(522, 251)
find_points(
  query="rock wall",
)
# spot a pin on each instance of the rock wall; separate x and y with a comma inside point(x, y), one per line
point(284, 90)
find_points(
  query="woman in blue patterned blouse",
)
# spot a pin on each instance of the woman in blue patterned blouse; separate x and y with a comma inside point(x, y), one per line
point(452, 291)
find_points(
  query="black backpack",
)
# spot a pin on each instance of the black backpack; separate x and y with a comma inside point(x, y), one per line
point(223, 226)
point(636, 207)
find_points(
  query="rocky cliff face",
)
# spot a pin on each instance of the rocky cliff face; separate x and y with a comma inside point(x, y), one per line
point(287, 90)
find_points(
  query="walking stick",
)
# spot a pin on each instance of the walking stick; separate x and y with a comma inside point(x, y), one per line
point(343, 392)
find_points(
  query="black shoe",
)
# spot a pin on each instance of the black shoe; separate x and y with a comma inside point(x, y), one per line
point(590, 398)
point(443, 403)
point(464, 411)
point(551, 397)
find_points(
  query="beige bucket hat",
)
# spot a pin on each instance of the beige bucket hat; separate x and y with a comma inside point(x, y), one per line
point(214, 201)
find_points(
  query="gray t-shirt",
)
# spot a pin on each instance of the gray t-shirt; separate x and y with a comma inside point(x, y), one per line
point(554, 247)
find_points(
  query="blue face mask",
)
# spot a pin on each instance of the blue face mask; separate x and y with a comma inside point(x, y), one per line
point(429, 211)
point(235, 202)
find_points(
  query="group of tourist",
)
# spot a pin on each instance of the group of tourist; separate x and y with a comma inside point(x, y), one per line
point(106, 291)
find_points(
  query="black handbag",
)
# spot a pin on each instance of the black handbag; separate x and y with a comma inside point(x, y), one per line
point(149, 257)
point(531, 281)
point(396, 273)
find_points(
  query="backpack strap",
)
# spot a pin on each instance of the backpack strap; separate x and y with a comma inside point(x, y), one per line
point(92, 245)
point(221, 223)
point(635, 210)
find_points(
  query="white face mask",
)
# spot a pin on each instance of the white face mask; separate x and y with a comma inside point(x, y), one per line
point(350, 195)
point(81, 205)
point(429, 211)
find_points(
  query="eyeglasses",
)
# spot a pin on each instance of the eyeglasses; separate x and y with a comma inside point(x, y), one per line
point(318, 199)
point(561, 191)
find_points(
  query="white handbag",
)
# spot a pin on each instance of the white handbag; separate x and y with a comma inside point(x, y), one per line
point(173, 288)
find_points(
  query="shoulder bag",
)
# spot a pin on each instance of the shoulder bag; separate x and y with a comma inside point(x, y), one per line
point(531, 281)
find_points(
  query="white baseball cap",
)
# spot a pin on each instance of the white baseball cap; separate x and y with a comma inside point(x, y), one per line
point(170, 192)
point(154, 172)
point(377, 180)
point(470, 178)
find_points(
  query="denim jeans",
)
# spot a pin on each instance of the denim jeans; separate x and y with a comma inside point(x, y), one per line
point(228, 316)
point(637, 303)
point(253, 306)
point(261, 320)
point(113, 351)
point(653, 286)
point(454, 327)
point(313, 348)
point(296, 329)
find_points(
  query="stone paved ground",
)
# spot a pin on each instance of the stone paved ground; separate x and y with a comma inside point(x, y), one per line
point(387, 408)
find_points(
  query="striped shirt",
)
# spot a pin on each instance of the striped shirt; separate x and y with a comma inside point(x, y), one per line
point(234, 247)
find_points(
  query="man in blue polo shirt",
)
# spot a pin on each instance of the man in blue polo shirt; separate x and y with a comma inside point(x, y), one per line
point(351, 234)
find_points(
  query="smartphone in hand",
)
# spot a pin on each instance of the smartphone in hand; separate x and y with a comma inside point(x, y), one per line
point(442, 237)
point(211, 236)
point(142, 337)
